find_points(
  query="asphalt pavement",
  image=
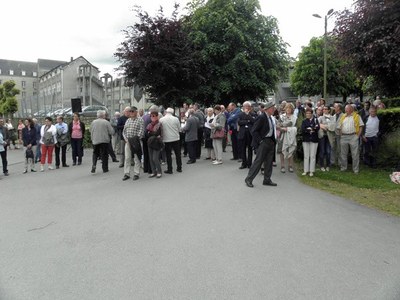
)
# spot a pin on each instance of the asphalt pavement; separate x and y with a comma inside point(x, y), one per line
point(199, 234)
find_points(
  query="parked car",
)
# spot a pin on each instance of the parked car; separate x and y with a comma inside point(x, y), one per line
point(91, 111)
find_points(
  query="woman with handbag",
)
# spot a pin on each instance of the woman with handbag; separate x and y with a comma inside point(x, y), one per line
point(218, 133)
point(154, 144)
point(208, 142)
point(48, 134)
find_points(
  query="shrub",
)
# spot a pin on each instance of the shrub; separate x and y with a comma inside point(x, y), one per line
point(391, 102)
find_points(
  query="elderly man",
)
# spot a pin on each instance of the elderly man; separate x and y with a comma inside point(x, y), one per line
point(350, 127)
point(245, 121)
point(335, 151)
point(100, 131)
point(146, 122)
point(133, 132)
point(370, 138)
point(190, 129)
point(234, 112)
point(264, 142)
point(6, 139)
point(120, 127)
point(170, 126)
point(116, 138)
point(62, 142)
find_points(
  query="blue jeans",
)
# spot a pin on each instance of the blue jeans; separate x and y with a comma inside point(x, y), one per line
point(324, 152)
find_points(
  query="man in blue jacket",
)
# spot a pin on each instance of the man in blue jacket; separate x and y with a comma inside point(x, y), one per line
point(234, 113)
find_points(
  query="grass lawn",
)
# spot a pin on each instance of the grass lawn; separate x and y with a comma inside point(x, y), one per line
point(370, 187)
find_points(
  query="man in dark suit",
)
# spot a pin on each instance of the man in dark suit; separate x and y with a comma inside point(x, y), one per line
point(245, 121)
point(263, 132)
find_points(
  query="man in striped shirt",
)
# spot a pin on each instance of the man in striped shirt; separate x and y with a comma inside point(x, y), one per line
point(134, 128)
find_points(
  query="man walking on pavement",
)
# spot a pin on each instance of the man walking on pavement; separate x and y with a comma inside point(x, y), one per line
point(170, 127)
point(264, 142)
point(100, 131)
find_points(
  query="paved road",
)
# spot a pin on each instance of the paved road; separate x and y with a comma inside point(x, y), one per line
point(201, 234)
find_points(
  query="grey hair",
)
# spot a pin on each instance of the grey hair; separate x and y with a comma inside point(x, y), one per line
point(153, 108)
point(246, 103)
point(101, 114)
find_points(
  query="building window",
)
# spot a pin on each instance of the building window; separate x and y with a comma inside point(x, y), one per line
point(23, 84)
point(0, 71)
point(23, 94)
point(34, 84)
point(11, 72)
point(34, 74)
point(23, 73)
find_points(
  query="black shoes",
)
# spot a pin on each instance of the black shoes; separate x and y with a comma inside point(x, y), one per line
point(121, 166)
point(65, 166)
point(179, 170)
point(242, 167)
point(191, 162)
point(93, 170)
point(248, 183)
point(136, 177)
point(115, 160)
point(126, 177)
point(270, 183)
point(168, 172)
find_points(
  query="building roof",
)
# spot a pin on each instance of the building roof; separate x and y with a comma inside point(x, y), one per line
point(18, 67)
point(45, 65)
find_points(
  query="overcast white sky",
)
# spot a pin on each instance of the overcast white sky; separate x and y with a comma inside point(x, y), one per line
point(62, 29)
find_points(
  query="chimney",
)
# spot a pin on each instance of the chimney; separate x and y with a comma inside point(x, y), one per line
point(72, 58)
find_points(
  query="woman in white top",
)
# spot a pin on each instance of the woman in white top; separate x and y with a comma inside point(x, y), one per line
point(287, 140)
point(48, 134)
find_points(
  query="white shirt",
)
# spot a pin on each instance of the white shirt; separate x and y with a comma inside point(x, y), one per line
point(372, 127)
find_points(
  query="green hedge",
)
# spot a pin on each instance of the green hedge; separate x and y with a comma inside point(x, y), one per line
point(391, 102)
point(389, 120)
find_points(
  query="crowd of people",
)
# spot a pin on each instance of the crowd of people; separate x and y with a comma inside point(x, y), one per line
point(146, 141)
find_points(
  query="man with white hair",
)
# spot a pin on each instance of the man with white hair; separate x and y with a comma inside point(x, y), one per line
point(350, 126)
point(170, 128)
point(100, 131)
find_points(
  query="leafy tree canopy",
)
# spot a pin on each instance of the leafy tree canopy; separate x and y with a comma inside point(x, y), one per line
point(308, 74)
point(241, 51)
point(157, 55)
point(370, 37)
point(8, 101)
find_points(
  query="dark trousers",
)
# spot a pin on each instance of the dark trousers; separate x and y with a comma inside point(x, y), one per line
point(234, 141)
point(146, 159)
point(264, 155)
point(38, 153)
point(200, 135)
point(246, 151)
point(183, 143)
point(4, 160)
point(324, 148)
point(370, 151)
point(63, 155)
point(224, 141)
point(191, 147)
point(177, 150)
point(101, 150)
point(76, 145)
point(111, 151)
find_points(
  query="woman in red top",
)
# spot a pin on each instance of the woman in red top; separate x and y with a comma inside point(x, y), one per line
point(77, 130)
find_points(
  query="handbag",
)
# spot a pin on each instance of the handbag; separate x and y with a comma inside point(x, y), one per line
point(219, 134)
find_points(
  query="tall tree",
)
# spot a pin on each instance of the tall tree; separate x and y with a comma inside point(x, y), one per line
point(308, 74)
point(157, 55)
point(242, 53)
point(370, 37)
point(8, 101)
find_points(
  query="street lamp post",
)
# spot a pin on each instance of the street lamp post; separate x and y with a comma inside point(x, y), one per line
point(325, 47)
